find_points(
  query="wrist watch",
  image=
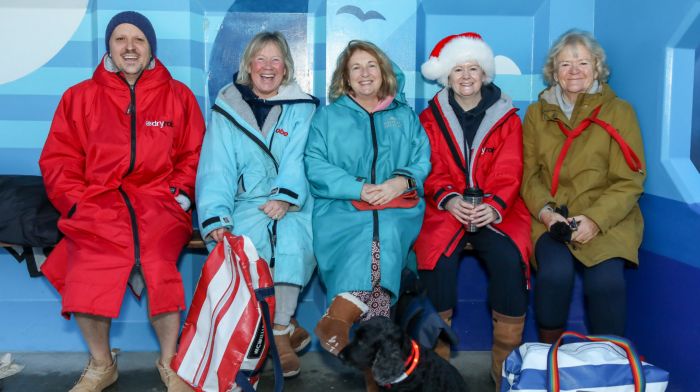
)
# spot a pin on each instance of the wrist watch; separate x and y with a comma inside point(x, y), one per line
point(411, 182)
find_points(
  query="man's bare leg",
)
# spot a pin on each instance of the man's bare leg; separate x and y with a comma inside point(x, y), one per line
point(95, 331)
point(167, 327)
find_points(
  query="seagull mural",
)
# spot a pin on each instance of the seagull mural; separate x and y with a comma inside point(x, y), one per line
point(381, 22)
point(359, 14)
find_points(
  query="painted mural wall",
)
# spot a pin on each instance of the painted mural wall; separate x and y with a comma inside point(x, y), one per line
point(653, 52)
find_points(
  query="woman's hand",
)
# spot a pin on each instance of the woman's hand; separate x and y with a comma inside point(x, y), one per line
point(385, 192)
point(549, 217)
point(586, 231)
point(217, 234)
point(460, 209)
point(367, 191)
point(482, 215)
point(275, 209)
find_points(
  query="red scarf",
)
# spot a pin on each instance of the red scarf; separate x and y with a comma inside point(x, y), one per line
point(630, 157)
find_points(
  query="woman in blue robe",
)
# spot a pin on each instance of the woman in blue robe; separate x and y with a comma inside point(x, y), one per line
point(366, 158)
point(251, 180)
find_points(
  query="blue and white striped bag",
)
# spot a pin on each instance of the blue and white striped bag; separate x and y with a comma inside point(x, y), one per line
point(599, 364)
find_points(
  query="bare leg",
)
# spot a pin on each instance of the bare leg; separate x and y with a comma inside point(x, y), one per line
point(95, 330)
point(167, 326)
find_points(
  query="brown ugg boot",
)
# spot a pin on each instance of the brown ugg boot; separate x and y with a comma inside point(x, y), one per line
point(507, 334)
point(299, 337)
point(334, 327)
point(291, 366)
point(96, 379)
point(549, 336)
point(442, 347)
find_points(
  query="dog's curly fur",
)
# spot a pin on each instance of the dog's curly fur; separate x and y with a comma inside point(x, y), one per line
point(381, 345)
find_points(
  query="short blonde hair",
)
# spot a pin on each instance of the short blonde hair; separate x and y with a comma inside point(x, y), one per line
point(572, 38)
point(340, 84)
point(256, 45)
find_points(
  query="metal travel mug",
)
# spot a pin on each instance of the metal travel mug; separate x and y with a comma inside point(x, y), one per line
point(474, 196)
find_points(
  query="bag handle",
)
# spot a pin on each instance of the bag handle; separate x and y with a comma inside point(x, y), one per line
point(261, 294)
point(635, 363)
point(242, 378)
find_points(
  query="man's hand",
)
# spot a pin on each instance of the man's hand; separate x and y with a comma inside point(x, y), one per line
point(183, 201)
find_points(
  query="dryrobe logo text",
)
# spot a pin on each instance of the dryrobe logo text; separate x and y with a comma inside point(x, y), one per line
point(159, 123)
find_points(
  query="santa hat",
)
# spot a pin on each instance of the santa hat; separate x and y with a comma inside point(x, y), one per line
point(458, 49)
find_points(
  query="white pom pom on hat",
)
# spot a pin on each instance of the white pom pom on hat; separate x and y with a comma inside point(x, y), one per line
point(457, 49)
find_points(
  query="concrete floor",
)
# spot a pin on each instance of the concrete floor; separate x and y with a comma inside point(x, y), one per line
point(57, 372)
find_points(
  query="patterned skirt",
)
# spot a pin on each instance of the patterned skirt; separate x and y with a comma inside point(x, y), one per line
point(378, 300)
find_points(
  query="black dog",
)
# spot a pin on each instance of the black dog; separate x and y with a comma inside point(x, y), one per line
point(398, 363)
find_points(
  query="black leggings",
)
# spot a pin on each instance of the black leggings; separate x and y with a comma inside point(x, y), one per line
point(603, 287)
point(507, 293)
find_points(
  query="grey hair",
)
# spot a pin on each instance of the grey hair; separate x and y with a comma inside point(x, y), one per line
point(571, 38)
point(256, 45)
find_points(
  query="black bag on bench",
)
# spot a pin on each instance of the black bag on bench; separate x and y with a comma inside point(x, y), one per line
point(27, 217)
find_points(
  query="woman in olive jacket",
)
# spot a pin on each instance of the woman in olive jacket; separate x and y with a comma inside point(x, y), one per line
point(583, 150)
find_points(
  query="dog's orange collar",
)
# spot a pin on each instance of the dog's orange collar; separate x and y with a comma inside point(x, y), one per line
point(409, 365)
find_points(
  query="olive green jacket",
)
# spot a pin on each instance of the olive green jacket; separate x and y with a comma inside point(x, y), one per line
point(594, 180)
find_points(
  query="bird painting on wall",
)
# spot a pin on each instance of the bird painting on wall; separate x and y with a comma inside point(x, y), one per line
point(359, 14)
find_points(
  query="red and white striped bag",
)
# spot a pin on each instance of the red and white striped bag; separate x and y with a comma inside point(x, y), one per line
point(227, 333)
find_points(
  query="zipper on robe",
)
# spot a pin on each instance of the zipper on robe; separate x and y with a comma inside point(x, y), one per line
point(136, 275)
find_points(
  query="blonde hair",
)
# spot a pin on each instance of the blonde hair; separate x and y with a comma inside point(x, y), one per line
point(572, 38)
point(340, 81)
point(256, 45)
